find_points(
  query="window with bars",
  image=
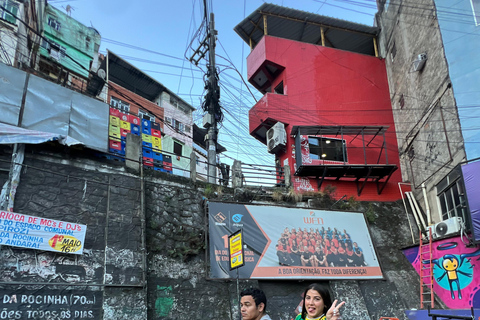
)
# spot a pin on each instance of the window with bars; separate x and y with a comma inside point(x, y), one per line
point(451, 196)
point(52, 22)
point(11, 6)
point(120, 104)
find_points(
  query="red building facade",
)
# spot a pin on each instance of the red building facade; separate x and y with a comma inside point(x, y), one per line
point(329, 108)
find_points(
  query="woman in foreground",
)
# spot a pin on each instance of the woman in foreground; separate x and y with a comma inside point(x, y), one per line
point(317, 304)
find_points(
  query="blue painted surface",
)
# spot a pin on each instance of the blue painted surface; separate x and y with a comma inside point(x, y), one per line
point(461, 40)
point(423, 314)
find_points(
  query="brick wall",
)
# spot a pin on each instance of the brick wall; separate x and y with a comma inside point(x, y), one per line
point(135, 100)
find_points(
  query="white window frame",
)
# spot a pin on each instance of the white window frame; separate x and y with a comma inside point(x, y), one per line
point(120, 104)
point(52, 22)
point(450, 196)
point(62, 51)
point(9, 4)
point(145, 115)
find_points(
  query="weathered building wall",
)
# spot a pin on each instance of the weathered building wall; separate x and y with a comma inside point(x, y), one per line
point(109, 276)
point(426, 118)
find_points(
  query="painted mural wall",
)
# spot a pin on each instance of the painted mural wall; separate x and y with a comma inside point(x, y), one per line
point(461, 44)
point(456, 271)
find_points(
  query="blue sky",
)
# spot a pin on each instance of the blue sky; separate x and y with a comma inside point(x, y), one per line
point(167, 27)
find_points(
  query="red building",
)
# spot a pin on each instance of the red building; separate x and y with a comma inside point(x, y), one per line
point(326, 111)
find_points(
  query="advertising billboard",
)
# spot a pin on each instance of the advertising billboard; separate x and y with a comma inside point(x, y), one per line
point(291, 243)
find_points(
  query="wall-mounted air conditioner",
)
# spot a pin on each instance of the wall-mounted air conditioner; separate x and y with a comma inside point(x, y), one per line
point(276, 137)
point(419, 63)
point(446, 227)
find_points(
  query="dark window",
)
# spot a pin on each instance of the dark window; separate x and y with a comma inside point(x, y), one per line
point(451, 196)
point(401, 101)
point(54, 23)
point(177, 148)
point(279, 88)
point(145, 115)
point(322, 148)
point(393, 52)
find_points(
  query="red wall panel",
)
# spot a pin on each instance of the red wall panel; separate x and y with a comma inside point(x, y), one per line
point(326, 86)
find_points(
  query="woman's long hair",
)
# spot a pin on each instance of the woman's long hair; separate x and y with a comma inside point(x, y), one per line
point(324, 293)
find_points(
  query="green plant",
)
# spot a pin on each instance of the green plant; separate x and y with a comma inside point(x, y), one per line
point(370, 213)
point(209, 191)
point(330, 190)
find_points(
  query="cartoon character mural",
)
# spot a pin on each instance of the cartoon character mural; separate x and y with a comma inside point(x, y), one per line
point(456, 271)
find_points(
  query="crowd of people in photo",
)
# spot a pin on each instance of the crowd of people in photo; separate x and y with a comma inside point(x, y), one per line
point(318, 248)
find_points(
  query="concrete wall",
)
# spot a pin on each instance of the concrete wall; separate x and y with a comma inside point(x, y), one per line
point(428, 129)
point(80, 42)
point(107, 281)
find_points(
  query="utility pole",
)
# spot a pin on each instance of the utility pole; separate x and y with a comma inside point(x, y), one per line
point(212, 99)
point(213, 104)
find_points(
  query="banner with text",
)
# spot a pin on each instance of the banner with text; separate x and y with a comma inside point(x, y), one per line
point(50, 304)
point(20, 230)
point(291, 243)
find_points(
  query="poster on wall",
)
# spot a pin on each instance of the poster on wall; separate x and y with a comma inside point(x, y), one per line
point(24, 231)
point(291, 243)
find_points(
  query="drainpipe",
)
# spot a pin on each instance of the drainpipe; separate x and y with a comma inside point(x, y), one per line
point(417, 210)
point(427, 207)
point(406, 211)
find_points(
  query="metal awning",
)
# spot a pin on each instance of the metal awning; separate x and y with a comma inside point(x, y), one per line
point(307, 27)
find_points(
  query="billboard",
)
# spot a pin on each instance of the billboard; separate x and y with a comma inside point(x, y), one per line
point(20, 230)
point(291, 243)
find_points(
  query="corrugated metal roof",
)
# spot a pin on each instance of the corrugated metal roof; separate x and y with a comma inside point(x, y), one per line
point(305, 26)
point(131, 78)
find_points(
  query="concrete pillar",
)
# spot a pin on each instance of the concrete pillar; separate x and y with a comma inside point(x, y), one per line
point(133, 149)
point(193, 166)
point(288, 177)
point(237, 176)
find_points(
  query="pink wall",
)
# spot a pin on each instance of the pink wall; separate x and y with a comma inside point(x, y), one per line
point(325, 86)
point(466, 289)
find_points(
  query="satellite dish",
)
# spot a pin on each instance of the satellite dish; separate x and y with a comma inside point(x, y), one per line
point(441, 229)
point(101, 73)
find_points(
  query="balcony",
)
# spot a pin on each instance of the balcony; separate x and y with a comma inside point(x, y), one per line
point(349, 153)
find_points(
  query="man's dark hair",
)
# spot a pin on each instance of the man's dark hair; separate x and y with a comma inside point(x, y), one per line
point(257, 295)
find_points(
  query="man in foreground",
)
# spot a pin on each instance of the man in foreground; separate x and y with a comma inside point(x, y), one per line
point(253, 304)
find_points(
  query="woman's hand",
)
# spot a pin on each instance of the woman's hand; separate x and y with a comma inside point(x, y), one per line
point(333, 313)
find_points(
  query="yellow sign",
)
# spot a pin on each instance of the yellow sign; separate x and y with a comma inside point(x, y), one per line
point(64, 243)
point(235, 245)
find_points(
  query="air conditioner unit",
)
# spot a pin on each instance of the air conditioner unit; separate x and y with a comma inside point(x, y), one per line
point(419, 63)
point(446, 227)
point(276, 137)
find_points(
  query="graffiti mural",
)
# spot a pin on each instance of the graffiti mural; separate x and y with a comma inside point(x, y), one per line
point(456, 271)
